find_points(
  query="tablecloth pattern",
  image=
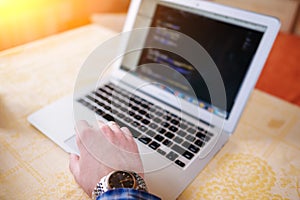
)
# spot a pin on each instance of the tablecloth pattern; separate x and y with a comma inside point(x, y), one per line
point(260, 161)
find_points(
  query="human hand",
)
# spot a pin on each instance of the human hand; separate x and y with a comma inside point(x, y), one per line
point(102, 150)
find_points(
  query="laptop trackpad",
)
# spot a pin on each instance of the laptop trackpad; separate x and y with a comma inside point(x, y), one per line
point(71, 142)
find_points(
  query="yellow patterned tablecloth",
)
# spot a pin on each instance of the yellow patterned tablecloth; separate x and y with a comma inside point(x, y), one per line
point(261, 160)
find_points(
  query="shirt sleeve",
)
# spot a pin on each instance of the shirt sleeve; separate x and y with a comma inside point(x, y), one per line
point(127, 194)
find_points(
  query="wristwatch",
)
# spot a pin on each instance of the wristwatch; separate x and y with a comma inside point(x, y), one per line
point(119, 179)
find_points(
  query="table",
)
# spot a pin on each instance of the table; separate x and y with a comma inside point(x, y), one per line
point(261, 160)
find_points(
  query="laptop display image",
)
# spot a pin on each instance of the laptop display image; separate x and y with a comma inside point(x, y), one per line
point(163, 97)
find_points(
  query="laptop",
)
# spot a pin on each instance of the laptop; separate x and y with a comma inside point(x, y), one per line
point(181, 76)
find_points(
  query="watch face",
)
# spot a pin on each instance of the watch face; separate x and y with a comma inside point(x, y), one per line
point(121, 179)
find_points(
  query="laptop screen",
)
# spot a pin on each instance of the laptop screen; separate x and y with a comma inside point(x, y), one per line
point(230, 45)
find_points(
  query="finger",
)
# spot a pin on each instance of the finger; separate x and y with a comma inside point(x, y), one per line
point(84, 139)
point(106, 131)
point(74, 165)
point(115, 128)
point(81, 125)
point(127, 133)
point(101, 123)
point(78, 142)
point(112, 123)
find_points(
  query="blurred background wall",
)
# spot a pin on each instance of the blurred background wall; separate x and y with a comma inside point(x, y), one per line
point(22, 21)
point(285, 10)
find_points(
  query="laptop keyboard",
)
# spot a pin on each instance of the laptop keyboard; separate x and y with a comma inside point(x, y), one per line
point(171, 136)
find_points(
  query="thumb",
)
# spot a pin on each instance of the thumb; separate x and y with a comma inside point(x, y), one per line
point(74, 165)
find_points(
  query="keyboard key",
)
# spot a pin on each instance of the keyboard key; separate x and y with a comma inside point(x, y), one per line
point(190, 138)
point(145, 139)
point(174, 121)
point(101, 104)
point(183, 126)
point(110, 86)
point(181, 133)
point(162, 130)
point(178, 149)
point(121, 124)
point(135, 124)
point(108, 117)
point(157, 120)
point(106, 100)
point(188, 155)
point(169, 135)
point(180, 163)
point(165, 124)
point(159, 113)
point(167, 142)
point(135, 108)
point(127, 119)
point(102, 90)
point(91, 107)
point(210, 134)
point(143, 128)
point(107, 108)
point(150, 133)
point(172, 156)
point(108, 91)
point(99, 112)
point(167, 117)
point(142, 112)
point(99, 95)
point(202, 136)
point(191, 130)
point(186, 144)
point(190, 124)
point(149, 116)
point(193, 148)
point(116, 104)
point(161, 152)
point(159, 138)
point(199, 143)
point(175, 116)
point(135, 133)
point(145, 105)
point(178, 139)
point(138, 117)
point(154, 145)
point(114, 111)
point(123, 109)
point(82, 101)
point(200, 129)
point(145, 121)
point(136, 100)
point(173, 128)
point(131, 113)
point(90, 98)
point(153, 125)
point(121, 115)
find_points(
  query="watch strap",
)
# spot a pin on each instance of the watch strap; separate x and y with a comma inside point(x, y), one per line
point(99, 189)
point(141, 185)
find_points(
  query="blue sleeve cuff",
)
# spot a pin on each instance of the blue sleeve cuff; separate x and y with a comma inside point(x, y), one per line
point(127, 194)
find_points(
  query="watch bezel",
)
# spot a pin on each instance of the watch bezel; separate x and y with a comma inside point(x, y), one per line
point(116, 172)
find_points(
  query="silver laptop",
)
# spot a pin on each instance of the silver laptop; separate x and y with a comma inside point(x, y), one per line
point(179, 86)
